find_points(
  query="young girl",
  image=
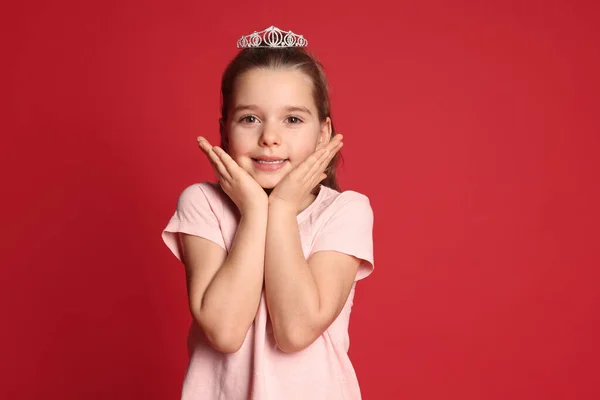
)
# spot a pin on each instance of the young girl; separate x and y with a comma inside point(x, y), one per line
point(273, 251)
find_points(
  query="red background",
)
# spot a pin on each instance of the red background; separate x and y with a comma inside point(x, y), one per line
point(472, 126)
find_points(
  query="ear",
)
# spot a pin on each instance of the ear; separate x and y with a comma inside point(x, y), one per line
point(325, 133)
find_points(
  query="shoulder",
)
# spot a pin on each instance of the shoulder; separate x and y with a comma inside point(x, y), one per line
point(199, 212)
point(348, 201)
point(198, 190)
point(204, 192)
point(208, 196)
point(345, 225)
point(340, 210)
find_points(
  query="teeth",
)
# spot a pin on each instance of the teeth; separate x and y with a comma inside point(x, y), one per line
point(270, 162)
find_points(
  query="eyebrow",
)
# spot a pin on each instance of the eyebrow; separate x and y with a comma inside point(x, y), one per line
point(253, 107)
point(298, 109)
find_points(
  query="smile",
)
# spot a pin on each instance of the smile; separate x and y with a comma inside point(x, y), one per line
point(270, 162)
point(268, 165)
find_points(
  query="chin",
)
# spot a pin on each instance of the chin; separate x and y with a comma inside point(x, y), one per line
point(267, 184)
point(267, 181)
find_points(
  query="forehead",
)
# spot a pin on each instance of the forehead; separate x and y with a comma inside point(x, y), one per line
point(271, 88)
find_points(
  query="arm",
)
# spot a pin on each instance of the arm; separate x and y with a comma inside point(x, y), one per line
point(224, 290)
point(303, 297)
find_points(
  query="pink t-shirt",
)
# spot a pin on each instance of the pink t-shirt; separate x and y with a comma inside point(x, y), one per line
point(336, 221)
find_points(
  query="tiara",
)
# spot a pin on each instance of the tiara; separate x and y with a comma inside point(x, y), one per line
point(272, 37)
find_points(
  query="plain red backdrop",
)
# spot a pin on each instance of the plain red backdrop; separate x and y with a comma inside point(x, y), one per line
point(472, 126)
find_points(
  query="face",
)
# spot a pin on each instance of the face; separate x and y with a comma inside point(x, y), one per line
point(273, 124)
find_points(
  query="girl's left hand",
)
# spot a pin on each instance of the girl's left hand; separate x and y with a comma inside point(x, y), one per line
point(300, 182)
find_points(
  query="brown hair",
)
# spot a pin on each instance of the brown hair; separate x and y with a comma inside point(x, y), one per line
point(289, 57)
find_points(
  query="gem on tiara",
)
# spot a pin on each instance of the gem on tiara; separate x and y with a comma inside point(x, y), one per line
point(272, 37)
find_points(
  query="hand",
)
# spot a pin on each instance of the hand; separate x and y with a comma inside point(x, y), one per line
point(243, 190)
point(299, 183)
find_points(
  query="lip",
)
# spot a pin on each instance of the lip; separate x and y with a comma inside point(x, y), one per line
point(268, 167)
point(269, 158)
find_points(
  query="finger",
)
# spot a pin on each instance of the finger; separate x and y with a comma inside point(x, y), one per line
point(222, 181)
point(214, 167)
point(206, 148)
point(228, 162)
point(204, 145)
point(333, 142)
point(305, 168)
point(338, 137)
point(331, 153)
point(213, 157)
point(318, 174)
point(319, 167)
point(315, 168)
point(331, 149)
point(219, 171)
point(216, 161)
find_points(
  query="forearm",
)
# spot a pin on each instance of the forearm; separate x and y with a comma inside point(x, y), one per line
point(231, 300)
point(291, 290)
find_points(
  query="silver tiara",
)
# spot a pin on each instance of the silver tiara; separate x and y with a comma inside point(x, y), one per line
point(272, 37)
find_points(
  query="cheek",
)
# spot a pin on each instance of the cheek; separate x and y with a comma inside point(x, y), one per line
point(237, 145)
point(305, 147)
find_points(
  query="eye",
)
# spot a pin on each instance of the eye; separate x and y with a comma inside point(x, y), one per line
point(249, 119)
point(294, 120)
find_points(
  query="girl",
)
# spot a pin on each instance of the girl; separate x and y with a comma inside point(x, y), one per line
point(271, 254)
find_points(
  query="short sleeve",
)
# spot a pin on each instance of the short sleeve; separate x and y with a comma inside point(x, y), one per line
point(349, 230)
point(194, 216)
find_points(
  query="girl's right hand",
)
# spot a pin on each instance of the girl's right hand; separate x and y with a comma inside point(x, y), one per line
point(243, 190)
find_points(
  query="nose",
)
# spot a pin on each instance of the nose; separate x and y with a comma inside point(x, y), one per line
point(269, 137)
